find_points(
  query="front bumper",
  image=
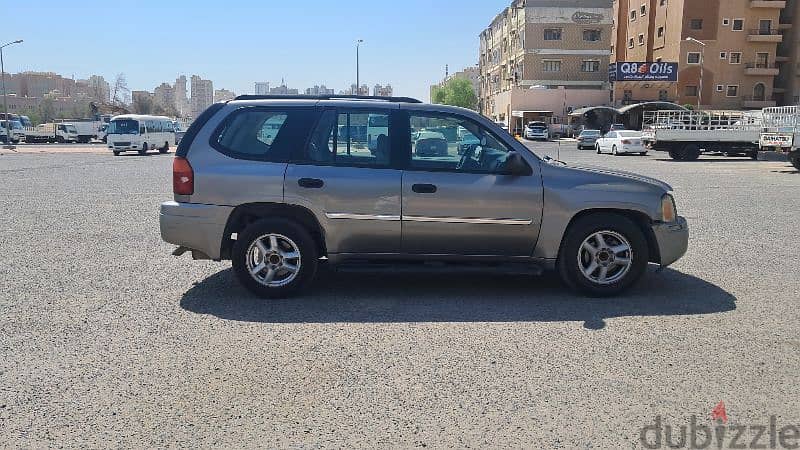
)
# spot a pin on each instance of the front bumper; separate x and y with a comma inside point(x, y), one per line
point(672, 240)
point(196, 227)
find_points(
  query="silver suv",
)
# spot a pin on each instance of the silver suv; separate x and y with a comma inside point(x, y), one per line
point(278, 184)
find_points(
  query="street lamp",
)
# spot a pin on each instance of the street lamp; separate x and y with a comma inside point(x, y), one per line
point(702, 69)
point(358, 68)
point(5, 94)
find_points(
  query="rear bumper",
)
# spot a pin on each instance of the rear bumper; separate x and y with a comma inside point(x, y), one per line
point(197, 227)
point(672, 239)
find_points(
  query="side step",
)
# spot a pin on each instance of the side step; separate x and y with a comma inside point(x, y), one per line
point(440, 268)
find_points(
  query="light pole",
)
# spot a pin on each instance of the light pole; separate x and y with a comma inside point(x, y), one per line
point(702, 69)
point(358, 68)
point(5, 94)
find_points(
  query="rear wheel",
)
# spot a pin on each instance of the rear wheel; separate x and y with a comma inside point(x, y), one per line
point(164, 149)
point(144, 149)
point(691, 152)
point(597, 148)
point(603, 254)
point(614, 151)
point(275, 258)
point(794, 158)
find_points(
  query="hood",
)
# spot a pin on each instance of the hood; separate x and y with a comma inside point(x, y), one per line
point(611, 173)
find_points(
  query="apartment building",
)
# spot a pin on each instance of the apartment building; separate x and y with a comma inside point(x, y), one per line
point(202, 95)
point(319, 90)
point(733, 66)
point(261, 88)
point(182, 103)
point(472, 74)
point(535, 51)
point(383, 91)
point(223, 95)
point(164, 97)
point(787, 87)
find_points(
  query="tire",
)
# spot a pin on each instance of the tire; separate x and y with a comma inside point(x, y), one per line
point(753, 155)
point(676, 154)
point(574, 259)
point(289, 237)
point(691, 152)
point(144, 149)
point(794, 158)
point(60, 140)
point(116, 153)
point(614, 151)
point(597, 148)
point(642, 153)
point(164, 149)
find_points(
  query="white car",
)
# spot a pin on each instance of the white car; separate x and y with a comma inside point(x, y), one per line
point(537, 130)
point(621, 143)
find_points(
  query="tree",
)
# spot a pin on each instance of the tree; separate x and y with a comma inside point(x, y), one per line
point(119, 94)
point(456, 92)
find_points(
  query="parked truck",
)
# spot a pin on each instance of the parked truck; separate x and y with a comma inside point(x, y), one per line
point(781, 132)
point(87, 128)
point(52, 132)
point(687, 134)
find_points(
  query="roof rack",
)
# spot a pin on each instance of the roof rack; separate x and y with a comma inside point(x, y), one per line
point(328, 97)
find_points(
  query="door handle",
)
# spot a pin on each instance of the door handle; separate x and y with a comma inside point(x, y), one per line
point(310, 183)
point(424, 188)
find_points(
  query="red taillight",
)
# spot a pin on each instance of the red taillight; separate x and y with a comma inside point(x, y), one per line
point(182, 177)
point(626, 142)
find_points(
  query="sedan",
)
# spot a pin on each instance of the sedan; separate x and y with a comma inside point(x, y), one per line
point(621, 143)
point(588, 139)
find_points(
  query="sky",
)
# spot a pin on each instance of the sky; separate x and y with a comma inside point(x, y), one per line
point(236, 43)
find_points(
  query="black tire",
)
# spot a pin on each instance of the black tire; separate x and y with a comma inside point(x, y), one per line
point(164, 149)
point(116, 153)
point(642, 153)
point(144, 149)
point(597, 148)
point(582, 229)
point(753, 155)
point(614, 151)
point(60, 140)
point(309, 258)
point(794, 158)
point(691, 152)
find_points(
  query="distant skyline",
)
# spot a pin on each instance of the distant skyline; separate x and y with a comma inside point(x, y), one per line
point(236, 44)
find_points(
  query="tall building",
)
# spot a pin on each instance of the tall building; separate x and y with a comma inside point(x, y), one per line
point(735, 62)
point(355, 90)
point(164, 98)
point(382, 91)
point(181, 97)
point(261, 88)
point(470, 73)
point(223, 95)
point(551, 46)
point(283, 90)
point(319, 90)
point(787, 85)
point(202, 95)
point(39, 84)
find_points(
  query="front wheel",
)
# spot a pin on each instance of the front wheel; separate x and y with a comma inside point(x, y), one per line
point(275, 258)
point(603, 254)
point(144, 149)
point(116, 153)
point(164, 149)
point(597, 148)
point(614, 151)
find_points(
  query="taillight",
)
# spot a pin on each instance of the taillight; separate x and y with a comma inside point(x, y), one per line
point(626, 142)
point(182, 177)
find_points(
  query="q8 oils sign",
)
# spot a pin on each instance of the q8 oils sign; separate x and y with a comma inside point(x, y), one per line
point(643, 71)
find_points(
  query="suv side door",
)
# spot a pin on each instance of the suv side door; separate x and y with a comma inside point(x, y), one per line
point(348, 180)
point(464, 203)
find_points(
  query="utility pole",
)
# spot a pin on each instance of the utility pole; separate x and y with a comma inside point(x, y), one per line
point(5, 94)
point(358, 68)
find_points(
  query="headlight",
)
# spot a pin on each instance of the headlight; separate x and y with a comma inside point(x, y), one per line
point(669, 212)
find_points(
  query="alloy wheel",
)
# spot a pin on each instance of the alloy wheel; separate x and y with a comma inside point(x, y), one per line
point(273, 260)
point(605, 257)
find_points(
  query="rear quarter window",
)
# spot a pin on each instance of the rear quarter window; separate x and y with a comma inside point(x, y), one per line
point(263, 134)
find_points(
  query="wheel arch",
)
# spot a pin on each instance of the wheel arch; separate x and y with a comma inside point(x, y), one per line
point(642, 220)
point(245, 214)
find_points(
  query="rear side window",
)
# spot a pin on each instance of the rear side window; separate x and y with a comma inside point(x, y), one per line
point(263, 134)
point(195, 127)
point(356, 139)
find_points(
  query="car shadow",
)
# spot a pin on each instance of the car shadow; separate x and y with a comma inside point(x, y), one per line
point(344, 297)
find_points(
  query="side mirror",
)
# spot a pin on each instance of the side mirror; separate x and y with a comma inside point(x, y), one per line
point(516, 166)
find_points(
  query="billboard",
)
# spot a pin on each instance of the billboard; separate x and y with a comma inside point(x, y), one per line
point(643, 71)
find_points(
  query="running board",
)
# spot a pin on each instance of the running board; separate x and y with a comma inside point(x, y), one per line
point(440, 268)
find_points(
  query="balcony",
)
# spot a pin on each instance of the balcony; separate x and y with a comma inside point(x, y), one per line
point(758, 103)
point(761, 70)
point(763, 35)
point(768, 4)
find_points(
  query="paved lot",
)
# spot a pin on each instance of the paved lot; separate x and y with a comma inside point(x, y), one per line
point(107, 340)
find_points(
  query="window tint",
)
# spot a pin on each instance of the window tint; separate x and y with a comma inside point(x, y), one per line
point(359, 139)
point(448, 143)
point(263, 134)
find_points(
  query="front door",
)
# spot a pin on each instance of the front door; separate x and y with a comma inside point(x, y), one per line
point(459, 201)
point(349, 184)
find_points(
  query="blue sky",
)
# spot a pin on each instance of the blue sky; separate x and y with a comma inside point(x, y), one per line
point(235, 43)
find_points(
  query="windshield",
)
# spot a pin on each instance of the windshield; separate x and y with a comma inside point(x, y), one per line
point(123, 126)
point(71, 129)
point(631, 134)
point(590, 133)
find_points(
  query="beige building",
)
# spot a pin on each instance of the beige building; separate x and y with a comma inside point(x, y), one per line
point(536, 46)
point(383, 91)
point(223, 95)
point(202, 95)
point(738, 61)
point(472, 74)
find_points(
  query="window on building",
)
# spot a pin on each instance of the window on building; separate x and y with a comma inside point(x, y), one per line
point(726, 22)
point(723, 55)
point(643, 10)
point(733, 91)
point(633, 15)
point(641, 39)
point(592, 35)
point(690, 91)
point(696, 24)
point(693, 58)
point(630, 43)
point(590, 66)
point(612, 49)
point(738, 25)
point(762, 60)
point(720, 88)
point(552, 65)
point(661, 32)
point(736, 57)
point(552, 34)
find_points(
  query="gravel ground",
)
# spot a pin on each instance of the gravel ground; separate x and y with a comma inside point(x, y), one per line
point(108, 341)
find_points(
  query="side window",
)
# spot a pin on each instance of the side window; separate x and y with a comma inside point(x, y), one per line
point(358, 139)
point(449, 143)
point(262, 135)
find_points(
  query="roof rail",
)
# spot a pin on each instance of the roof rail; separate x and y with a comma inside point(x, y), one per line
point(328, 97)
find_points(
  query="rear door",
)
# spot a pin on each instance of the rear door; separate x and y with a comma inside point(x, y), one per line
point(346, 176)
point(462, 203)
